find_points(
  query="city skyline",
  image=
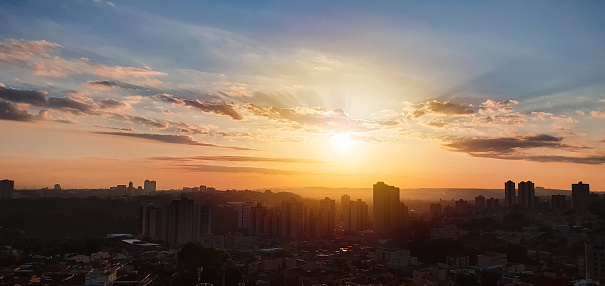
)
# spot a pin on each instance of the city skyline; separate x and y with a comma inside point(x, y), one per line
point(238, 95)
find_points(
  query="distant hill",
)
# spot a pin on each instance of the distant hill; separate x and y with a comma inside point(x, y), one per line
point(424, 194)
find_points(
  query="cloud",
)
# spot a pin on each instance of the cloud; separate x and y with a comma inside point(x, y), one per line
point(142, 120)
point(590, 160)
point(104, 84)
point(72, 104)
point(240, 159)
point(445, 108)
point(228, 169)
point(216, 108)
point(512, 148)
point(110, 103)
point(33, 97)
point(9, 111)
point(175, 139)
point(19, 51)
point(504, 106)
point(597, 114)
point(41, 57)
point(504, 144)
point(321, 117)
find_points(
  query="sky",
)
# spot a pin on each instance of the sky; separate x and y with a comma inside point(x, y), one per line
point(262, 94)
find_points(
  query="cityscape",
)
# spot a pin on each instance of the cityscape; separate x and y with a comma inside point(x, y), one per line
point(204, 236)
point(302, 143)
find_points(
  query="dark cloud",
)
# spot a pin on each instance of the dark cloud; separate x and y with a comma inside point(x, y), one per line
point(110, 103)
point(445, 108)
point(142, 120)
point(504, 144)
point(216, 108)
point(240, 159)
point(591, 160)
point(111, 83)
point(511, 148)
point(228, 169)
point(33, 97)
point(9, 111)
point(175, 139)
point(69, 104)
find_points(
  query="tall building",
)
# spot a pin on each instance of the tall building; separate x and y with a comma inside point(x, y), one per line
point(527, 195)
point(580, 194)
point(509, 194)
point(243, 214)
point(258, 214)
point(435, 210)
point(181, 221)
point(327, 212)
point(480, 202)
point(149, 186)
point(292, 219)
point(345, 202)
point(386, 207)
point(176, 224)
point(149, 217)
point(7, 187)
point(359, 215)
point(558, 203)
point(594, 253)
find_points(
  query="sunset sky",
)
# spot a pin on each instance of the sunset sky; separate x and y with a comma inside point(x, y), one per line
point(302, 93)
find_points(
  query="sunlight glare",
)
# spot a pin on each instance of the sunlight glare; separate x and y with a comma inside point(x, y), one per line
point(342, 142)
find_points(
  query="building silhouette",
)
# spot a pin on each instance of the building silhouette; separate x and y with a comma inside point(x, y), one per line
point(359, 215)
point(7, 187)
point(558, 203)
point(509, 194)
point(527, 195)
point(345, 208)
point(594, 251)
point(386, 207)
point(180, 222)
point(149, 186)
point(435, 210)
point(292, 219)
point(580, 195)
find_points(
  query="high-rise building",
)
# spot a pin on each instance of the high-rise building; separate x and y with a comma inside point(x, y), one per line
point(7, 187)
point(149, 186)
point(345, 202)
point(359, 215)
point(386, 207)
point(243, 214)
point(292, 219)
point(327, 212)
point(148, 217)
point(204, 219)
point(594, 251)
point(480, 202)
point(580, 194)
point(492, 204)
point(527, 195)
point(181, 221)
point(509, 194)
point(176, 224)
point(435, 210)
point(462, 207)
point(258, 214)
point(558, 203)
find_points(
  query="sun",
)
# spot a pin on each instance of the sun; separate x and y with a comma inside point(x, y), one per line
point(342, 142)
